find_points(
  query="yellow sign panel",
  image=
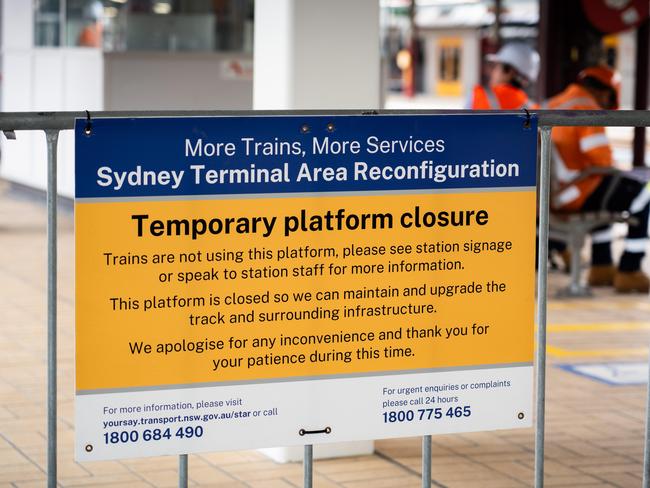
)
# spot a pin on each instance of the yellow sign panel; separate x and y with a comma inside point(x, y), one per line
point(232, 290)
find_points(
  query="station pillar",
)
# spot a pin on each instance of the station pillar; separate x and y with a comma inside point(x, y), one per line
point(316, 54)
point(322, 55)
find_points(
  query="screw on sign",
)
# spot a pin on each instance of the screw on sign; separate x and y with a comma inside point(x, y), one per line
point(611, 16)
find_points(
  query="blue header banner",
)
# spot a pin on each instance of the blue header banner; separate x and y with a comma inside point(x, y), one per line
point(255, 154)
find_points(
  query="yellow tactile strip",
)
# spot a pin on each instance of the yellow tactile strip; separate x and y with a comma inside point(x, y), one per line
point(603, 329)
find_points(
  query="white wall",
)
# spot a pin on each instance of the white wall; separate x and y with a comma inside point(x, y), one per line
point(273, 47)
point(78, 79)
point(337, 34)
point(17, 25)
point(176, 81)
point(43, 80)
point(47, 80)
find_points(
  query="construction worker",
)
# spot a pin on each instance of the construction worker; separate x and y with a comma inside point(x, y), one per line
point(515, 67)
point(581, 160)
point(91, 34)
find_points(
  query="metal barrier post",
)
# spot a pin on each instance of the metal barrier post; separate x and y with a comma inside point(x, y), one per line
point(542, 278)
point(52, 137)
point(646, 449)
point(426, 461)
point(308, 466)
point(182, 471)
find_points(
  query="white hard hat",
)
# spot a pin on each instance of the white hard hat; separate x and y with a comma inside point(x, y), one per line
point(93, 10)
point(520, 56)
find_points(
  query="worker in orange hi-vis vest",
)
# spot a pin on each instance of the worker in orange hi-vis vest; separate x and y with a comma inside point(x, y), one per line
point(91, 35)
point(580, 156)
point(515, 67)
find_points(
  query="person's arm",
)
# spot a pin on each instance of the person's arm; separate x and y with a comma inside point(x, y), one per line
point(594, 144)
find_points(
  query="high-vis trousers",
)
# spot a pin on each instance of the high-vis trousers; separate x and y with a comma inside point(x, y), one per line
point(618, 193)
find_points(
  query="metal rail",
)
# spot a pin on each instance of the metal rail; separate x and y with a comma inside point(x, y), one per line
point(547, 118)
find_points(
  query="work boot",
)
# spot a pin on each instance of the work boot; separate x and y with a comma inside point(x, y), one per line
point(565, 256)
point(560, 260)
point(601, 275)
point(631, 282)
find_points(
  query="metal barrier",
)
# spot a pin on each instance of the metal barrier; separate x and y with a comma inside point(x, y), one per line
point(53, 122)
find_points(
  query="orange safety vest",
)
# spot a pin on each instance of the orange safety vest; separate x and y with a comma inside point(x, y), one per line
point(91, 36)
point(575, 150)
point(499, 97)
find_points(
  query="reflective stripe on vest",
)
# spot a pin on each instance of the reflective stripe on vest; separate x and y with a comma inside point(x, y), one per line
point(560, 170)
point(494, 101)
point(593, 141)
point(569, 104)
point(492, 98)
point(566, 196)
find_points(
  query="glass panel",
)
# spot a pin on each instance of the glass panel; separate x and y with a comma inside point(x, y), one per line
point(47, 22)
point(179, 25)
point(146, 25)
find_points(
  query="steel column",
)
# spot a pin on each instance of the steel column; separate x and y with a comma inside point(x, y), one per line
point(426, 461)
point(646, 449)
point(308, 466)
point(542, 281)
point(641, 89)
point(51, 137)
point(182, 471)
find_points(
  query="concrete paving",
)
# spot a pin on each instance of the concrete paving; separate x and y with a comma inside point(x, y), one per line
point(594, 430)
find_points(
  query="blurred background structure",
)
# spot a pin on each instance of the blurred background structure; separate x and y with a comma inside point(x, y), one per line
point(242, 54)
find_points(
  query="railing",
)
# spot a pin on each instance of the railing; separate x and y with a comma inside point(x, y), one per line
point(53, 122)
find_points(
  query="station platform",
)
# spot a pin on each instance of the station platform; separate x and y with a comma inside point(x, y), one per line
point(596, 395)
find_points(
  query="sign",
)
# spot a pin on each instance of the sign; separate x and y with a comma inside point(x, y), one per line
point(613, 374)
point(258, 281)
point(237, 69)
point(611, 16)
